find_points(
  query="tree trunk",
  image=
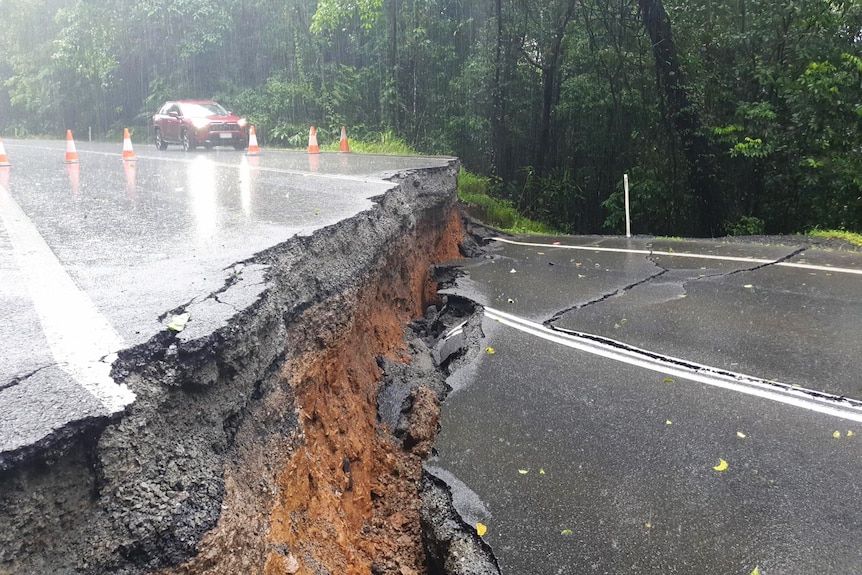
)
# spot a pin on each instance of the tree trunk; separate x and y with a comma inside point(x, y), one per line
point(497, 134)
point(550, 76)
point(683, 119)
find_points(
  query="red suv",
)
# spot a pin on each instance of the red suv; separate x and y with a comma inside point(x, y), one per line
point(193, 123)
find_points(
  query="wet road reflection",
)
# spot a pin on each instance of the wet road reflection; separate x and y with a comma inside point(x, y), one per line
point(74, 171)
point(201, 182)
point(129, 168)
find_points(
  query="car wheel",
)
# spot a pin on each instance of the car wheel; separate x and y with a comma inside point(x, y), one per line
point(188, 146)
point(160, 143)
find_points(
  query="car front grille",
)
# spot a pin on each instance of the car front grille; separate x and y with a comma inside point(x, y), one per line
point(224, 127)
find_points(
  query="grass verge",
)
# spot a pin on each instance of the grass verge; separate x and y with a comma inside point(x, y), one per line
point(473, 190)
point(383, 143)
point(849, 237)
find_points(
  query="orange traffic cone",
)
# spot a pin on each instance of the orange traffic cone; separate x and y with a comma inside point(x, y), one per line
point(71, 153)
point(313, 148)
point(345, 146)
point(128, 152)
point(253, 148)
point(4, 161)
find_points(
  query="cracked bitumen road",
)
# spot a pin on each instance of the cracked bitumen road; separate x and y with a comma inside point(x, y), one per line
point(97, 257)
point(582, 463)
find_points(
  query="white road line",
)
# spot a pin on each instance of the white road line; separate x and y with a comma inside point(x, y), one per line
point(774, 391)
point(77, 333)
point(455, 330)
point(758, 261)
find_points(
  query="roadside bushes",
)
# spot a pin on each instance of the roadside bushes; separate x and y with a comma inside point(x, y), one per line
point(476, 192)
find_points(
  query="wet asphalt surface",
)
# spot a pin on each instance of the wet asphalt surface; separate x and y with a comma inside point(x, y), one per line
point(578, 463)
point(122, 244)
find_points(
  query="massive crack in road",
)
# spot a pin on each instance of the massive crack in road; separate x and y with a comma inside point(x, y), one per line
point(253, 444)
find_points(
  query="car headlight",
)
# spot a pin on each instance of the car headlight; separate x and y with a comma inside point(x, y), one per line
point(242, 122)
point(200, 123)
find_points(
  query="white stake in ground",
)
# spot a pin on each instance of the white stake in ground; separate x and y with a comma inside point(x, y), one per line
point(628, 213)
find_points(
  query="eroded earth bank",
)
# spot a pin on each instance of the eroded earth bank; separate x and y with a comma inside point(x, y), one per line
point(289, 438)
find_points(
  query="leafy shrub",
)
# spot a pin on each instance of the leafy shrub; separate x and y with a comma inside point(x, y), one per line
point(474, 191)
point(746, 226)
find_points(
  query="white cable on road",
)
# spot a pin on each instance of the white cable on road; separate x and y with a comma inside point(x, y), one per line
point(774, 391)
point(79, 336)
point(758, 261)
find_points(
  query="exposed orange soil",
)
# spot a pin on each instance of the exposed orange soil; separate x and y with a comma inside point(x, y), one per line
point(350, 501)
point(342, 498)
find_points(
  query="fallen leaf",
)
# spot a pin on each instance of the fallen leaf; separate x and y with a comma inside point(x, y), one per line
point(849, 433)
point(836, 435)
point(722, 465)
point(566, 532)
point(511, 300)
point(740, 435)
point(481, 529)
point(541, 472)
point(523, 471)
point(490, 350)
point(668, 380)
point(668, 422)
point(748, 286)
point(616, 326)
point(648, 525)
point(178, 322)
point(756, 571)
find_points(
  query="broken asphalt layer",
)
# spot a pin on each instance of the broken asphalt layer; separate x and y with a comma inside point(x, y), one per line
point(98, 257)
point(228, 431)
point(580, 462)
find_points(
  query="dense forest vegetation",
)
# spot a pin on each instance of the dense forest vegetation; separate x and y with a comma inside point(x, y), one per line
point(730, 116)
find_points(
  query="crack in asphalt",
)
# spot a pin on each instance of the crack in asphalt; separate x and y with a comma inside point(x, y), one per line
point(21, 378)
point(604, 297)
point(793, 254)
point(230, 305)
point(649, 257)
point(840, 401)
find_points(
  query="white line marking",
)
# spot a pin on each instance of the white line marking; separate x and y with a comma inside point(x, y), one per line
point(77, 333)
point(774, 391)
point(455, 330)
point(757, 261)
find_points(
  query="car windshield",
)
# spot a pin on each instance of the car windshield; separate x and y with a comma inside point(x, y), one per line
point(203, 110)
